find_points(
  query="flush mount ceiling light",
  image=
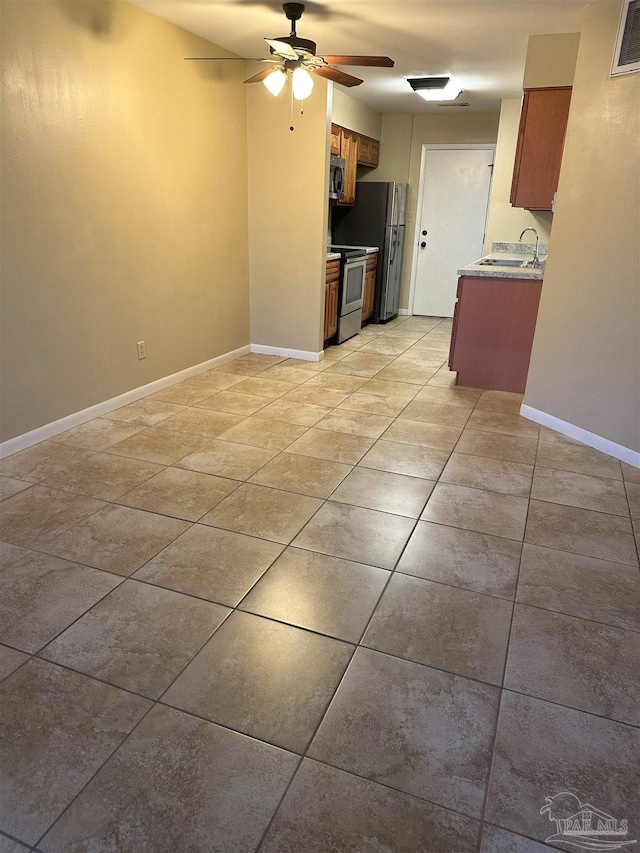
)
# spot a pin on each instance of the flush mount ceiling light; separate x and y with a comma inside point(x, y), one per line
point(435, 88)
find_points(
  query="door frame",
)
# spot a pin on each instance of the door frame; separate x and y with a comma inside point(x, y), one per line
point(429, 146)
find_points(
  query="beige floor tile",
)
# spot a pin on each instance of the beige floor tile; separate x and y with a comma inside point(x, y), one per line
point(550, 435)
point(259, 358)
point(580, 586)
point(507, 402)
point(289, 412)
point(10, 660)
point(209, 563)
point(425, 435)
point(286, 374)
point(269, 388)
point(178, 783)
point(366, 365)
point(577, 663)
point(372, 404)
point(633, 497)
point(319, 593)
point(10, 487)
point(388, 345)
point(243, 368)
point(436, 413)
point(267, 513)
point(313, 818)
point(37, 512)
point(201, 422)
point(449, 396)
point(630, 473)
point(385, 491)
point(139, 637)
point(462, 558)
point(265, 679)
point(543, 749)
point(43, 595)
point(215, 380)
point(406, 373)
point(479, 510)
point(582, 531)
point(103, 476)
point(413, 728)
point(355, 423)
point(425, 359)
point(337, 382)
point(444, 378)
point(511, 448)
point(579, 490)
point(259, 432)
point(97, 434)
point(579, 459)
point(116, 538)
point(326, 398)
point(10, 554)
point(180, 493)
point(354, 533)
point(410, 459)
point(442, 626)
point(182, 394)
point(57, 728)
point(145, 412)
point(305, 475)
point(395, 391)
point(499, 422)
point(233, 403)
point(494, 475)
point(237, 461)
point(41, 461)
point(309, 366)
point(334, 446)
point(335, 353)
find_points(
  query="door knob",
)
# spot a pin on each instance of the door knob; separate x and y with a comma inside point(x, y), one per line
point(422, 245)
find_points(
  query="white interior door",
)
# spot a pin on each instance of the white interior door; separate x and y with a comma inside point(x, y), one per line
point(451, 224)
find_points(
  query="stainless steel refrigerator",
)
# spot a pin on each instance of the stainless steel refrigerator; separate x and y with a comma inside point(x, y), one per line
point(377, 219)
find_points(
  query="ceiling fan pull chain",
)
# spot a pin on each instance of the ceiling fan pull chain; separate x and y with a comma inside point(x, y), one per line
point(291, 126)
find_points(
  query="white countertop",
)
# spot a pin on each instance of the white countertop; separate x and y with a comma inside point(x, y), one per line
point(497, 271)
point(333, 256)
point(369, 250)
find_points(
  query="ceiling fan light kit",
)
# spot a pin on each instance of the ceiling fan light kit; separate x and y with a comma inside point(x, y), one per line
point(435, 88)
point(295, 57)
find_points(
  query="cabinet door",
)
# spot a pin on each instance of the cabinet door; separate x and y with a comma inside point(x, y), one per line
point(336, 139)
point(543, 123)
point(369, 287)
point(349, 150)
point(330, 309)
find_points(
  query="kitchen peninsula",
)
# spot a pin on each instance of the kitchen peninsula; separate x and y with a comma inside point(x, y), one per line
point(495, 317)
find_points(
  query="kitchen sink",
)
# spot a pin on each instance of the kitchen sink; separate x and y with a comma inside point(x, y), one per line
point(506, 262)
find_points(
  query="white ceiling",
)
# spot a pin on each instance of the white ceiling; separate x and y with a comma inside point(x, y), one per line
point(481, 43)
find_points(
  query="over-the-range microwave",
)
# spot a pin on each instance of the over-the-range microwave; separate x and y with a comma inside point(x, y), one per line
point(336, 177)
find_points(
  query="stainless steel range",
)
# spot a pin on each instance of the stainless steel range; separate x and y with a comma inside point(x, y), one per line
point(353, 264)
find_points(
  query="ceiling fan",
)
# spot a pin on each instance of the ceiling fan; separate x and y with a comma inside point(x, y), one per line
point(297, 56)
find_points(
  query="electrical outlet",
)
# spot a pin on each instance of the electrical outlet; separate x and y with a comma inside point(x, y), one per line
point(142, 350)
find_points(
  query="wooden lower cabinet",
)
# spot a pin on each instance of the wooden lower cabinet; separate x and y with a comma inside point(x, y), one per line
point(331, 299)
point(493, 325)
point(369, 287)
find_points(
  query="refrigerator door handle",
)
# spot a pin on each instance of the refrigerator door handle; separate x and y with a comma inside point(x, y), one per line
point(394, 243)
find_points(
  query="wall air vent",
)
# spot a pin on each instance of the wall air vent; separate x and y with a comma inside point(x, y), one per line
point(626, 57)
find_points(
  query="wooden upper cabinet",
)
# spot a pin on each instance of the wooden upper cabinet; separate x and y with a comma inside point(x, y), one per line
point(336, 139)
point(543, 124)
point(349, 150)
point(368, 152)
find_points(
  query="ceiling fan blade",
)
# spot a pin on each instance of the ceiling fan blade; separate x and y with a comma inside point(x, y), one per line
point(225, 59)
point(259, 76)
point(377, 61)
point(282, 48)
point(338, 76)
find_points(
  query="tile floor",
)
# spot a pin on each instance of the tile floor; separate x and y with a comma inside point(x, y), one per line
point(291, 607)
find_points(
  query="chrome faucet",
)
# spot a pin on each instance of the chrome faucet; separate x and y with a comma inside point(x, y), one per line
point(535, 262)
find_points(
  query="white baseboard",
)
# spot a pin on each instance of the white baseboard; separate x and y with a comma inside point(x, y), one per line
point(404, 312)
point(28, 439)
point(597, 441)
point(302, 354)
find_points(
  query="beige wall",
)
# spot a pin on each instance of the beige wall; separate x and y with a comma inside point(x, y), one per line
point(347, 112)
point(551, 60)
point(401, 155)
point(124, 206)
point(288, 184)
point(585, 366)
point(504, 222)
